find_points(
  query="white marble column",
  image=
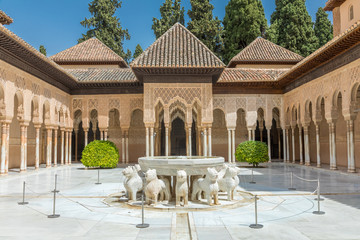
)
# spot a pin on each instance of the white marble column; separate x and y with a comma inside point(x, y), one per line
point(190, 142)
point(48, 147)
point(279, 141)
point(86, 132)
point(284, 145)
point(55, 145)
point(351, 150)
point(147, 142)
point(253, 134)
point(209, 142)
point(269, 142)
point(127, 147)
point(151, 141)
point(166, 141)
point(66, 147)
point(123, 147)
point(76, 143)
point(23, 140)
point(293, 143)
point(233, 146)
point(70, 147)
point(4, 148)
point(62, 159)
point(333, 165)
point(205, 142)
point(287, 145)
point(101, 135)
point(318, 159)
point(37, 147)
point(229, 146)
point(105, 135)
point(250, 133)
point(306, 146)
point(301, 145)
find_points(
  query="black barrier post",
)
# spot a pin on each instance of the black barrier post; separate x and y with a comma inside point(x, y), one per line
point(98, 182)
point(23, 200)
point(55, 191)
point(142, 225)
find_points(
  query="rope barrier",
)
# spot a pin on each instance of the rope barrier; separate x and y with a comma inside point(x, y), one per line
point(307, 180)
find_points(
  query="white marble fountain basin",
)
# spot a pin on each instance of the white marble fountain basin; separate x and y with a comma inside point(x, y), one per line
point(168, 166)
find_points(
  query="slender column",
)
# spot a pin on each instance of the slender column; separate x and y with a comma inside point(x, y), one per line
point(190, 142)
point(306, 145)
point(70, 146)
point(293, 144)
point(269, 142)
point(49, 147)
point(170, 141)
point(76, 144)
point(62, 146)
point(253, 134)
point(127, 146)
point(123, 146)
point(55, 146)
point(330, 146)
point(7, 148)
point(209, 142)
point(351, 159)
point(284, 145)
point(151, 141)
point(250, 132)
point(279, 141)
point(187, 141)
point(229, 146)
point(166, 141)
point(261, 134)
point(318, 159)
point(66, 147)
point(333, 146)
point(101, 135)
point(105, 135)
point(233, 145)
point(205, 142)
point(37, 147)
point(23, 129)
point(287, 146)
point(300, 145)
point(4, 149)
point(86, 132)
point(147, 142)
point(198, 135)
point(94, 132)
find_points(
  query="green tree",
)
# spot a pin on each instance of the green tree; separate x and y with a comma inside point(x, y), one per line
point(138, 51)
point(42, 49)
point(244, 21)
point(292, 28)
point(106, 27)
point(323, 27)
point(171, 12)
point(204, 26)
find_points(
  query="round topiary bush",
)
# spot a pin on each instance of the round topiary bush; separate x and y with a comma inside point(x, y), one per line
point(103, 154)
point(252, 152)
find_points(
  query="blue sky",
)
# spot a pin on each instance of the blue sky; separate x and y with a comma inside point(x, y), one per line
point(56, 24)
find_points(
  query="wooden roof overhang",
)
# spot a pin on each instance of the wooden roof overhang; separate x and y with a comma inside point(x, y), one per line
point(214, 72)
point(233, 64)
point(247, 87)
point(331, 4)
point(120, 63)
point(16, 52)
point(5, 19)
point(345, 47)
point(108, 87)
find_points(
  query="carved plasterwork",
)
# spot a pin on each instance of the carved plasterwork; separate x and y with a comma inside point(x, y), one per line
point(114, 103)
point(77, 104)
point(93, 103)
point(167, 94)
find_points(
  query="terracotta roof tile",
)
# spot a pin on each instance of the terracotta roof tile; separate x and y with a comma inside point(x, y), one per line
point(264, 51)
point(89, 51)
point(231, 75)
point(122, 75)
point(178, 47)
point(5, 19)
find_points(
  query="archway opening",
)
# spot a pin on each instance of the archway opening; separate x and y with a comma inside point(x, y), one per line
point(178, 137)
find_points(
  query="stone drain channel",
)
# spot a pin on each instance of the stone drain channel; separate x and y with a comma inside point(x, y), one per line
point(183, 227)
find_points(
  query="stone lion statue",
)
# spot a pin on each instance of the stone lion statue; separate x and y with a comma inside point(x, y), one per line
point(132, 183)
point(229, 181)
point(154, 187)
point(182, 188)
point(208, 185)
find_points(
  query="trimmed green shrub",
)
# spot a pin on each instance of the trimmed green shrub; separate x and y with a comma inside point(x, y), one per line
point(252, 152)
point(103, 154)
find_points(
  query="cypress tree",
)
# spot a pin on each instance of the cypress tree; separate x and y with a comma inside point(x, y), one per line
point(244, 21)
point(292, 28)
point(204, 26)
point(138, 51)
point(106, 27)
point(42, 49)
point(323, 27)
point(171, 12)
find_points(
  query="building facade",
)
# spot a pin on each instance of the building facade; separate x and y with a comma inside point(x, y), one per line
point(178, 98)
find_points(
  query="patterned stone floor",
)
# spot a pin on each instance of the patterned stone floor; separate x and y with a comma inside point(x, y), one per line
point(285, 214)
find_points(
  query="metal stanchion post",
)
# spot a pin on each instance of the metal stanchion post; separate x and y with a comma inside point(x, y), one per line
point(98, 182)
point(318, 192)
point(256, 225)
point(23, 201)
point(252, 176)
point(142, 225)
point(291, 182)
point(318, 212)
point(55, 191)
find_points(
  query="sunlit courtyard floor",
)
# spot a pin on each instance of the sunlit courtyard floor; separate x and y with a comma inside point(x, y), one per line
point(84, 215)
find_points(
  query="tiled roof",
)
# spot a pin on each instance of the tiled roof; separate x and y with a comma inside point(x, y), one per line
point(331, 4)
point(178, 47)
point(5, 19)
point(120, 75)
point(89, 51)
point(264, 51)
point(232, 75)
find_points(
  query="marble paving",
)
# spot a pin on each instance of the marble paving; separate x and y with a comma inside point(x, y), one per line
point(84, 215)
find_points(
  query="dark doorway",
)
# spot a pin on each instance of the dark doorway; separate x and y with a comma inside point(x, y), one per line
point(178, 138)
